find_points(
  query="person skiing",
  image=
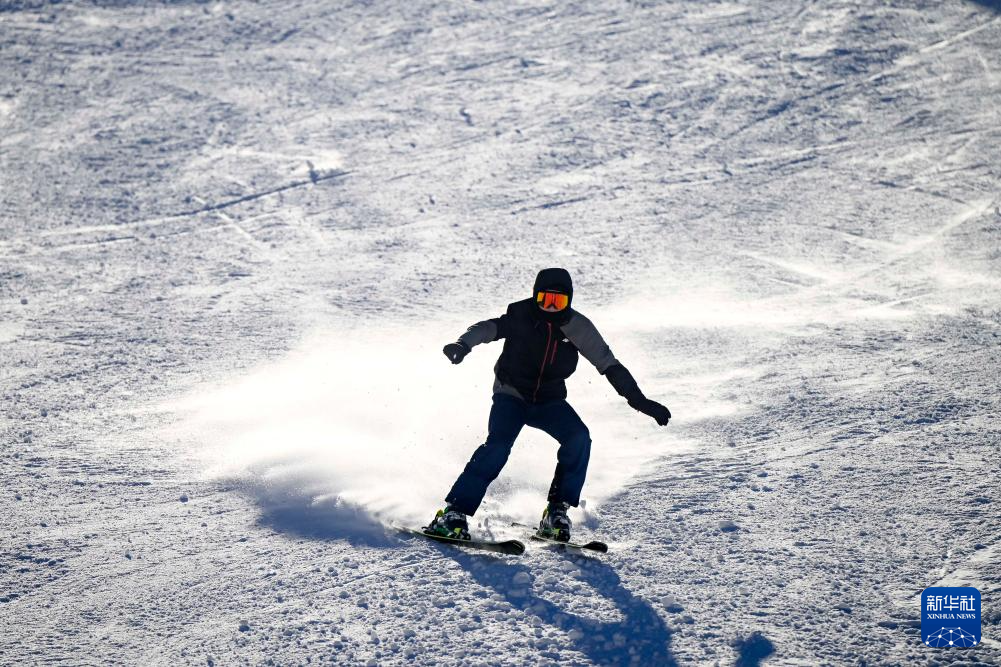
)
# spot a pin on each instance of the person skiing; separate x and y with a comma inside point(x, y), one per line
point(542, 338)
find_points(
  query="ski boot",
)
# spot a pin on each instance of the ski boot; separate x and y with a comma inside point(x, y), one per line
point(555, 524)
point(449, 522)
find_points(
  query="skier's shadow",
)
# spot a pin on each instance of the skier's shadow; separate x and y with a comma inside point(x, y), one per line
point(641, 637)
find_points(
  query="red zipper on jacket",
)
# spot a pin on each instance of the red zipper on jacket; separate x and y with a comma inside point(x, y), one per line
point(545, 355)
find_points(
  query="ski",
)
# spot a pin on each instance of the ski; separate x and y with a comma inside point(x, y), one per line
point(509, 547)
point(593, 545)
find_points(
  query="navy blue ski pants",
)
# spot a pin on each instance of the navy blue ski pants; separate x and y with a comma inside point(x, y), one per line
point(507, 417)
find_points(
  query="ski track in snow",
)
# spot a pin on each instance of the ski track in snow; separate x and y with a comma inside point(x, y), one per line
point(234, 237)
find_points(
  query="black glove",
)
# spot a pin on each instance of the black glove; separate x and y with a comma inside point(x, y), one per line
point(456, 351)
point(624, 383)
point(659, 412)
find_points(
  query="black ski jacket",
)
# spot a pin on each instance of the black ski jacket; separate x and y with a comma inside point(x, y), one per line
point(540, 353)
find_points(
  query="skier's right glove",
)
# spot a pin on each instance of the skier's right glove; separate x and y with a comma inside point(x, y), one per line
point(456, 351)
point(659, 412)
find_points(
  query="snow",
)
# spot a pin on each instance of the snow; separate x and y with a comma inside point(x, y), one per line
point(234, 237)
point(727, 525)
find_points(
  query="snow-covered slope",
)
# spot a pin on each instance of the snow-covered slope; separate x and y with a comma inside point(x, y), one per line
point(234, 236)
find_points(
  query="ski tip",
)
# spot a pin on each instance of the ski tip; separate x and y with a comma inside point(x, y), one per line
point(517, 548)
point(595, 546)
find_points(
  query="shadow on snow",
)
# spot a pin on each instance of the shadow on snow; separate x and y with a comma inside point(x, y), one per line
point(292, 506)
point(990, 4)
point(301, 513)
point(641, 637)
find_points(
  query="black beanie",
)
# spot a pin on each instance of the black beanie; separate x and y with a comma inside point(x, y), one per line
point(555, 280)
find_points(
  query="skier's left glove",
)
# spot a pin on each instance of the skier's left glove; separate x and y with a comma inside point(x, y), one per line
point(456, 351)
point(624, 383)
point(659, 412)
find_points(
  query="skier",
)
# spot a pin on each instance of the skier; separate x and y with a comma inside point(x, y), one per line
point(542, 337)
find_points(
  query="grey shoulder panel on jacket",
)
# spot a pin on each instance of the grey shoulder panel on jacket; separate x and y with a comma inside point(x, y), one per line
point(481, 332)
point(584, 335)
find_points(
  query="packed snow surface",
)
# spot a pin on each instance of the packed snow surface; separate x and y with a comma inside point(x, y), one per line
point(235, 235)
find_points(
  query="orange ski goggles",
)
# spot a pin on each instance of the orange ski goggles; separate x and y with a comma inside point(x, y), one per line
point(552, 300)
